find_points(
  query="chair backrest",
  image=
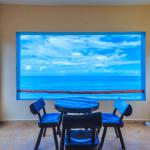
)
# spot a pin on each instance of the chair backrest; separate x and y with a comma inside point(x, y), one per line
point(37, 106)
point(93, 120)
point(123, 108)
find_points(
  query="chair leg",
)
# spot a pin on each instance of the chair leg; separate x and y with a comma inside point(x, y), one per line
point(121, 138)
point(59, 124)
point(103, 137)
point(38, 139)
point(44, 133)
point(116, 132)
point(99, 147)
point(58, 131)
point(62, 140)
point(55, 138)
point(98, 131)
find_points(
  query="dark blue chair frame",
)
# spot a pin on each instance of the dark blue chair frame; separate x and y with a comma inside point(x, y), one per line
point(45, 121)
point(72, 125)
point(116, 121)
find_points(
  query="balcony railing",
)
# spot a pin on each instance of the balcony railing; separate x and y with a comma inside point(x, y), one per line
point(81, 92)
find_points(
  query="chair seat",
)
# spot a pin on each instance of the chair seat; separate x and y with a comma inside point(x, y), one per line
point(49, 120)
point(81, 139)
point(109, 119)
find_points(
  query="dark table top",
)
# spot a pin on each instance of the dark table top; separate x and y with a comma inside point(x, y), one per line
point(76, 105)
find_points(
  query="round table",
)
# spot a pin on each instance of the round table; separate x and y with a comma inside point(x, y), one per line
point(76, 105)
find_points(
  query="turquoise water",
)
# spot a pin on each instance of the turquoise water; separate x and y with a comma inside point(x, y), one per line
point(80, 83)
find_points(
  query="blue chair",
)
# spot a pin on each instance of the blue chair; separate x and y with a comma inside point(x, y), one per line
point(116, 121)
point(79, 132)
point(45, 121)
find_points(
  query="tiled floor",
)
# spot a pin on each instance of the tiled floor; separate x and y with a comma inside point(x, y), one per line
point(22, 136)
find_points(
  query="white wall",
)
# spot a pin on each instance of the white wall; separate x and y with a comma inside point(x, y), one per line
point(63, 18)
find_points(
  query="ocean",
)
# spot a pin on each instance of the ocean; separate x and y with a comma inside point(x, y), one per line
point(80, 83)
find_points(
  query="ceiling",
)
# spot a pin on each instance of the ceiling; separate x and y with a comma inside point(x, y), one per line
point(76, 2)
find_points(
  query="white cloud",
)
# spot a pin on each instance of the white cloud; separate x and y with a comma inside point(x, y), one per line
point(63, 63)
point(27, 67)
point(98, 60)
point(109, 45)
point(101, 58)
point(125, 43)
point(125, 62)
point(76, 54)
point(59, 41)
point(42, 68)
point(25, 37)
point(117, 71)
point(82, 53)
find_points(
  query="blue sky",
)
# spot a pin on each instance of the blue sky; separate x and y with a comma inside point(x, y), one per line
point(104, 54)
